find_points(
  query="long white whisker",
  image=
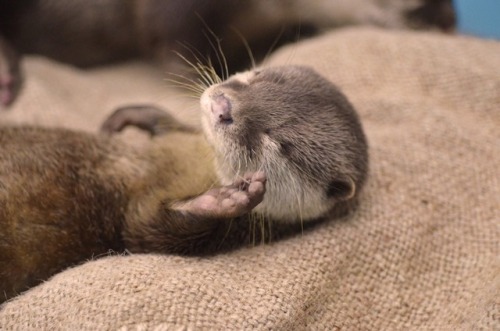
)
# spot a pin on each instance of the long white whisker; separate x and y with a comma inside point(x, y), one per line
point(218, 50)
point(294, 48)
point(200, 64)
point(246, 45)
point(213, 72)
point(275, 42)
point(188, 80)
point(196, 55)
point(193, 88)
point(207, 71)
point(217, 55)
point(196, 68)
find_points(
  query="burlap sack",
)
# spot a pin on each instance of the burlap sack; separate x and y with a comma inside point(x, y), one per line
point(422, 251)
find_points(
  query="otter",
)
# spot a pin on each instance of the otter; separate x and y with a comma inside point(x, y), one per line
point(88, 33)
point(282, 148)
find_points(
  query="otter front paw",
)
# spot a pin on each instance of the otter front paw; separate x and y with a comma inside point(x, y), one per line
point(230, 201)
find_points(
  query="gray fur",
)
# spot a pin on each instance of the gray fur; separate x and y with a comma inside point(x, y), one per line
point(299, 129)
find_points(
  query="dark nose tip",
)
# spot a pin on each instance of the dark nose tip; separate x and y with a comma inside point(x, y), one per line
point(221, 108)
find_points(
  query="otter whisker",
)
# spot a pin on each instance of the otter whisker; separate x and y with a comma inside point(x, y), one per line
point(262, 230)
point(207, 72)
point(246, 45)
point(291, 55)
point(270, 228)
point(190, 92)
point(262, 168)
point(280, 79)
point(226, 234)
point(198, 91)
point(274, 43)
point(253, 223)
point(204, 79)
point(194, 52)
point(189, 96)
point(196, 68)
point(239, 167)
point(180, 79)
point(213, 72)
point(219, 53)
point(183, 83)
point(204, 64)
point(300, 198)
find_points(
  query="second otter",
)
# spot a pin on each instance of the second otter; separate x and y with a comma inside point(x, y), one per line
point(287, 147)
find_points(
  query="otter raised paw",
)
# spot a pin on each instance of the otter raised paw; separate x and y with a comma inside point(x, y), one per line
point(229, 201)
point(196, 226)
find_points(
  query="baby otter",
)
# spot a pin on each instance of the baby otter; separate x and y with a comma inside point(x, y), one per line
point(287, 149)
point(284, 121)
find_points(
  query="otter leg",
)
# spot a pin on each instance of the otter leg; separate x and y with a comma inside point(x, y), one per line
point(152, 119)
point(10, 73)
point(197, 226)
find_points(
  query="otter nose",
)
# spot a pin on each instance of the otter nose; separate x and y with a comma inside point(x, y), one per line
point(221, 108)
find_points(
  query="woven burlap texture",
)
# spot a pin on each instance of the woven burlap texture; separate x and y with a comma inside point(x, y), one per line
point(421, 252)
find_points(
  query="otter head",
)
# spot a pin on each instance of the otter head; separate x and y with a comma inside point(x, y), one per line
point(295, 126)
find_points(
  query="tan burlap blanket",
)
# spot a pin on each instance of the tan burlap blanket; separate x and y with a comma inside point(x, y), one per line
point(421, 253)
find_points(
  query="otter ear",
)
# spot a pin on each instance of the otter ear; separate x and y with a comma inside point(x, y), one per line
point(341, 189)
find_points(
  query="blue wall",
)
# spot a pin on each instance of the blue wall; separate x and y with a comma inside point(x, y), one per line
point(479, 17)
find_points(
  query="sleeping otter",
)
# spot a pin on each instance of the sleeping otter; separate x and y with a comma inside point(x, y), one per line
point(89, 32)
point(282, 147)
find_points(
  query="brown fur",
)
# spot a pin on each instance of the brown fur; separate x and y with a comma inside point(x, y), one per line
point(65, 196)
point(54, 203)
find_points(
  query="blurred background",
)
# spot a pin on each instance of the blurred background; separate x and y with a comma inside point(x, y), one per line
point(479, 17)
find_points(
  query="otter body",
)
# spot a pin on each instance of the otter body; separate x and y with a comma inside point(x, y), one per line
point(93, 32)
point(282, 147)
point(65, 197)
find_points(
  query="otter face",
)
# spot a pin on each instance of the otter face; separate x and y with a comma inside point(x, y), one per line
point(295, 126)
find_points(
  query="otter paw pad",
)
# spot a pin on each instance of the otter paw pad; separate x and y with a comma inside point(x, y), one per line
point(232, 200)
